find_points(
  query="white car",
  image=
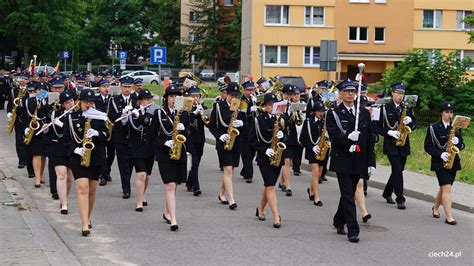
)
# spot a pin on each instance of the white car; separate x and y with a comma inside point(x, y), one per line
point(207, 74)
point(149, 77)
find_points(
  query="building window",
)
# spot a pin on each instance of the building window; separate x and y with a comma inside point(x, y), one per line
point(379, 35)
point(358, 34)
point(460, 16)
point(192, 16)
point(359, 1)
point(192, 37)
point(276, 55)
point(228, 2)
point(468, 54)
point(432, 19)
point(312, 56)
point(380, 1)
point(314, 16)
point(277, 15)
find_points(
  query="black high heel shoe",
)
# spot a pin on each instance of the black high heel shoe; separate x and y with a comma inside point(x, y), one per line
point(366, 218)
point(225, 202)
point(318, 203)
point(145, 203)
point(434, 214)
point(90, 224)
point(233, 206)
point(311, 197)
point(260, 218)
point(174, 227)
point(63, 211)
point(139, 209)
point(85, 232)
point(37, 185)
point(453, 222)
point(168, 221)
point(277, 225)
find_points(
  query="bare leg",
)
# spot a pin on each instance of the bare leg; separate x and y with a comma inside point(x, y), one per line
point(446, 199)
point(263, 202)
point(147, 182)
point(228, 172)
point(222, 191)
point(62, 184)
point(315, 174)
point(140, 188)
point(82, 188)
point(43, 165)
point(70, 178)
point(272, 202)
point(37, 169)
point(437, 202)
point(285, 173)
point(92, 193)
point(360, 198)
point(171, 201)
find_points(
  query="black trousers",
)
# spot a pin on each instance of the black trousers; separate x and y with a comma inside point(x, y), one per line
point(19, 145)
point(346, 211)
point(110, 149)
point(125, 166)
point(247, 153)
point(52, 177)
point(297, 158)
point(29, 160)
point(395, 182)
point(196, 151)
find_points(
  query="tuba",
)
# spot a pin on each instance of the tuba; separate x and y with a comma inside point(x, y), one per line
point(451, 149)
point(87, 145)
point(231, 130)
point(324, 145)
point(16, 103)
point(403, 129)
point(276, 145)
point(33, 126)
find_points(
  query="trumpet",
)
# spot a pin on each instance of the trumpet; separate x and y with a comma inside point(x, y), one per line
point(296, 117)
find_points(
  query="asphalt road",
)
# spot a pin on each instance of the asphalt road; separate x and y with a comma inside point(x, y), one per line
point(210, 233)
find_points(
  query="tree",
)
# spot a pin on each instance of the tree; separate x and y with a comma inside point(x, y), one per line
point(469, 20)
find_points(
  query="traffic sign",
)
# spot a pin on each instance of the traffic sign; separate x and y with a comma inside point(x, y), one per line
point(122, 55)
point(158, 55)
point(65, 54)
point(122, 64)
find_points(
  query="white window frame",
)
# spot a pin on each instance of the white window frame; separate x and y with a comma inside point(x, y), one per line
point(435, 11)
point(311, 16)
point(375, 28)
point(192, 37)
point(360, 1)
point(311, 54)
point(231, 4)
point(281, 16)
point(278, 63)
point(463, 24)
point(380, 1)
point(358, 34)
point(461, 54)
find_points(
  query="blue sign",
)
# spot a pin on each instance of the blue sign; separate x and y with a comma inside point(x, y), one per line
point(158, 55)
point(65, 54)
point(122, 55)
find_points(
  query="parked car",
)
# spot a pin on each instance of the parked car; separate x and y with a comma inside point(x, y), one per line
point(293, 80)
point(149, 77)
point(43, 68)
point(207, 74)
point(165, 72)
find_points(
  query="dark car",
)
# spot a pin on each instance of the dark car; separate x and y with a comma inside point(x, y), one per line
point(293, 80)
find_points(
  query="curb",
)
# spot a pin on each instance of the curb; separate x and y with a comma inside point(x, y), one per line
point(379, 185)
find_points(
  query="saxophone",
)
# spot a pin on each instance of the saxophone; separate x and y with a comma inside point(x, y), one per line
point(16, 103)
point(403, 129)
point(87, 145)
point(110, 126)
point(33, 126)
point(324, 145)
point(276, 145)
point(451, 149)
point(178, 139)
point(231, 130)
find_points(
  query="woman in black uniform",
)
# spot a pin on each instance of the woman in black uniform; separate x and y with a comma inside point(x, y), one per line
point(59, 146)
point(86, 177)
point(435, 145)
point(171, 171)
point(140, 141)
point(310, 136)
point(260, 137)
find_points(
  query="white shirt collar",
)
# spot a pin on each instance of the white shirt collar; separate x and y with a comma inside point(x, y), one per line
point(349, 108)
point(446, 124)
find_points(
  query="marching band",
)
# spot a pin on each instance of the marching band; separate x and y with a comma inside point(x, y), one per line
point(80, 126)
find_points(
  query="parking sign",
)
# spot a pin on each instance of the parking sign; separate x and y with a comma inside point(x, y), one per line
point(122, 55)
point(158, 55)
point(65, 54)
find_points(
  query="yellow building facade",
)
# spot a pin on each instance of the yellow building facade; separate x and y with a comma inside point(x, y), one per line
point(282, 37)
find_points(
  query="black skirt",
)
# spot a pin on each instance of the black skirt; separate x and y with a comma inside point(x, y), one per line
point(446, 177)
point(228, 158)
point(92, 172)
point(270, 174)
point(59, 160)
point(37, 146)
point(143, 164)
point(172, 171)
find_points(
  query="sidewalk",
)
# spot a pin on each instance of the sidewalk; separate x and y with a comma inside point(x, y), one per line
point(416, 185)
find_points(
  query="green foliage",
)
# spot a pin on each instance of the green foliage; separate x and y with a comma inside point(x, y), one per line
point(469, 20)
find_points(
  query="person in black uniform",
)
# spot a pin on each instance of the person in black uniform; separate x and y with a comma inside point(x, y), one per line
point(247, 151)
point(285, 184)
point(59, 156)
point(260, 137)
point(298, 148)
point(172, 171)
point(220, 119)
point(103, 104)
point(310, 136)
point(435, 145)
point(140, 141)
point(388, 127)
point(86, 177)
point(352, 155)
point(4, 90)
point(196, 140)
point(122, 105)
point(222, 97)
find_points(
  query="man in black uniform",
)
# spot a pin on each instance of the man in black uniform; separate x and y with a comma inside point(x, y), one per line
point(247, 152)
point(102, 103)
point(352, 155)
point(122, 105)
point(4, 90)
point(388, 127)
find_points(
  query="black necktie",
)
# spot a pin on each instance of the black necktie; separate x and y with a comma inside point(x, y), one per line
point(399, 109)
point(352, 112)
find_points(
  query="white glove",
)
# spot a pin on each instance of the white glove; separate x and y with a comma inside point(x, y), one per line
point(127, 109)
point(254, 108)
point(135, 113)
point(9, 116)
point(79, 151)
point(238, 123)
point(254, 99)
point(280, 135)
point(455, 140)
point(27, 130)
point(92, 133)
point(445, 156)
point(354, 136)
point(58, 122)
point(371, 171)
point(407, 120)
point(180, 127)
point(45, 130)
point(316, 149)
point(169, 143)
point(270, 152)
point(224, 137)
point(394, 134)
point(43, 102)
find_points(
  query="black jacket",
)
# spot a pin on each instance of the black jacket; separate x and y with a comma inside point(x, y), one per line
point(441, 136)
point(315, 127)
point(120, 133)
point(217, 128)
point(140, 144)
